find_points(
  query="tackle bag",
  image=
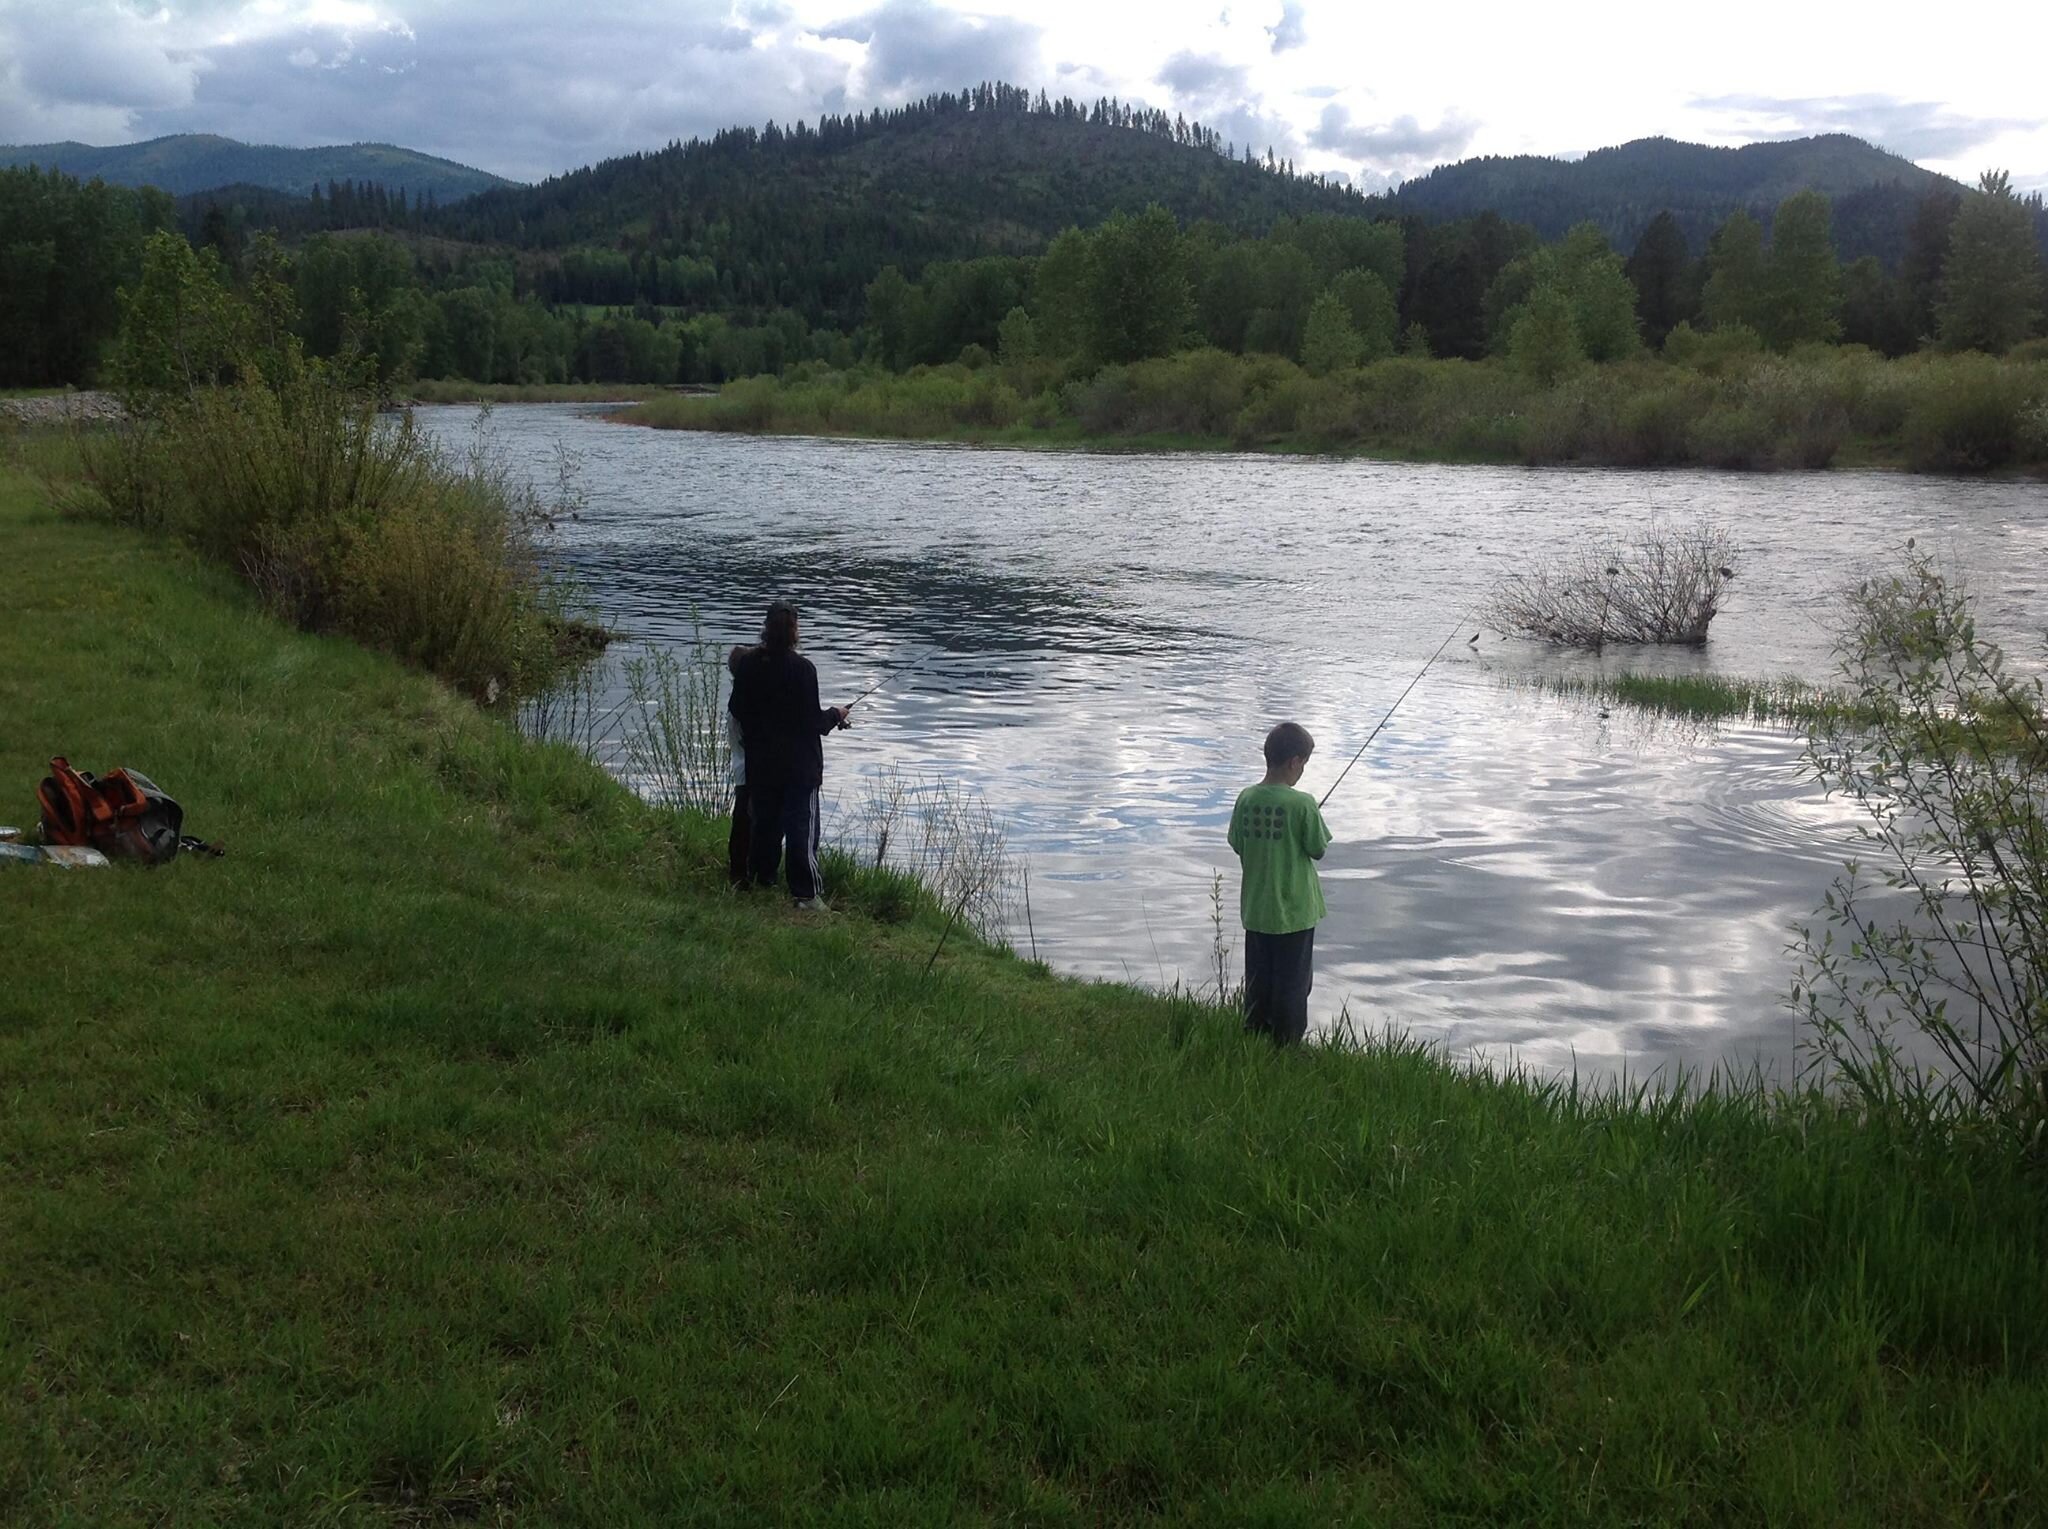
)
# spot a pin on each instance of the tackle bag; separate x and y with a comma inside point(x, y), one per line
point(123, 814)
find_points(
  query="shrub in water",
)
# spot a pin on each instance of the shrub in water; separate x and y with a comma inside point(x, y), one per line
point(1666, 586)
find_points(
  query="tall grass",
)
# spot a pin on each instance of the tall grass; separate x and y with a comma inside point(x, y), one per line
point(1713, 406)
point(1703, 696)
point(673, 745)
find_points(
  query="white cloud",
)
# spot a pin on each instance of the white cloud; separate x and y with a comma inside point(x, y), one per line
point(527, 87)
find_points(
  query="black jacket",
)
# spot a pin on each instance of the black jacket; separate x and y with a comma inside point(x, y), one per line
point(775, 702)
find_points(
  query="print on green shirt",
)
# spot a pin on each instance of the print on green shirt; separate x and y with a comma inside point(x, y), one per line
point(1279, 835)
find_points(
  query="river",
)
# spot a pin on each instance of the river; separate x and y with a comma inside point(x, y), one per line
point(1526, 878)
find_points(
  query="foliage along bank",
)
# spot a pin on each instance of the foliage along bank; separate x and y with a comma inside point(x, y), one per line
point(1714, 405)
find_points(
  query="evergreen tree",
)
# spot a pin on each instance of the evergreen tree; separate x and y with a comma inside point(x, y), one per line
point(1734, 293)
point(1926, 258)
point(1875, 309)
point(1660, 269)
point(1229, 296)
point(1991, 286)
point(1802, 297)
point(890, 314)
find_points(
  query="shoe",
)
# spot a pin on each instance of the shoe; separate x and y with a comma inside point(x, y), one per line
point(813, 905)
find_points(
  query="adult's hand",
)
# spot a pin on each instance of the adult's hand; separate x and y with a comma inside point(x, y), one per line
point(845, 715)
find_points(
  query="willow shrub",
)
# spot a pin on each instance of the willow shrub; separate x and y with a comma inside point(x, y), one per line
point(1924, 979)
point(1714, 400)
point(1971, 413)
point(342, 519)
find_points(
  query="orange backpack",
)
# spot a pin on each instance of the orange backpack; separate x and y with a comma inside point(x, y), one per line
point(123, 815)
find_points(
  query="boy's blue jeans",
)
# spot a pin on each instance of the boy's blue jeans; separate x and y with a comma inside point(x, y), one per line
point(1279, 969)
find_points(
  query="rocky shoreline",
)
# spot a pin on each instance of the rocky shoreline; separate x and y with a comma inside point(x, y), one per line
point(60, 408)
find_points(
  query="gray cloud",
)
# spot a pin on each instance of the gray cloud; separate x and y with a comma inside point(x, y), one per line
point(1289, 31)
point(1916, 129)
point(1220, 94)
point(539, 88)
point(1205, 80)
point(1403, 141)
point(914, 46)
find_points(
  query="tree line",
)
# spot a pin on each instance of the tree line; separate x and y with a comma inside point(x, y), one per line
point(1325, 289)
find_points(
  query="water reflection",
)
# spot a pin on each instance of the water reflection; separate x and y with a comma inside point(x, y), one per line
point(1514, 873)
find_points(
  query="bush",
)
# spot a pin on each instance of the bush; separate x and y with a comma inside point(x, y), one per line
point(342, 519)
point(1797, 408)
point(1664, 587)
point(1731, 435)
point(1970, 414)
point(1947, 756)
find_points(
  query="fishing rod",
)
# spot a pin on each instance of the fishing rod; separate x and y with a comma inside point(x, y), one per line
point(1439, 653)
point(890, 674)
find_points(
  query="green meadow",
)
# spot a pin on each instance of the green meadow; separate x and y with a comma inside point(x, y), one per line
point(459, 1149)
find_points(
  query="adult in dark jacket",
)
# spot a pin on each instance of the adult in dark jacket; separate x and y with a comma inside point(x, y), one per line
point(775, 701)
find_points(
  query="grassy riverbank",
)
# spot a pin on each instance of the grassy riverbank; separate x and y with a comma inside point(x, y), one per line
point(1811, 409)
point(458, 1148)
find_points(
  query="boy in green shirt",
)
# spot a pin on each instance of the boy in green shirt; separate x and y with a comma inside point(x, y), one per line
point(1279, 834)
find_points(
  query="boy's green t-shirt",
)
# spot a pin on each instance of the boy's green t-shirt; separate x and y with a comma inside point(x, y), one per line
point(1279, 835)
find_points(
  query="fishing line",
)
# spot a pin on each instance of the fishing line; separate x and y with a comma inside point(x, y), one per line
point(1439, 653)
point(891, 674)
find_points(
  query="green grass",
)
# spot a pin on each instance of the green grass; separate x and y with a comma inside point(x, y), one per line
point(458, 1149)
point(1705, 695)
point(1999, 728)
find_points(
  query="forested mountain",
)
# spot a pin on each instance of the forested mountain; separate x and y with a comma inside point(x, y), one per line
point(190, 162)
point(1621, 189)
point(992, 222)
point(804, 217)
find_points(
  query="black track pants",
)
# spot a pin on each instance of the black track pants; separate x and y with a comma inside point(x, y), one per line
point(786, 814)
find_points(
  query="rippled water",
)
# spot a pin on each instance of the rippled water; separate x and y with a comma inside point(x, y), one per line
point(1514, 873)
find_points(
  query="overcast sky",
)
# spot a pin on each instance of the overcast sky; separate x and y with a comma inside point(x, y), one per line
point(1376, 93)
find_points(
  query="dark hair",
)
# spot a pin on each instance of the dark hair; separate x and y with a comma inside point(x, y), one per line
point(778, 631)
point(734, 658)
point(1290, 740)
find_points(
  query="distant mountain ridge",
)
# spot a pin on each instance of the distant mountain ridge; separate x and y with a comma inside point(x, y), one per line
point(186, 163)
point(1622, 188)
